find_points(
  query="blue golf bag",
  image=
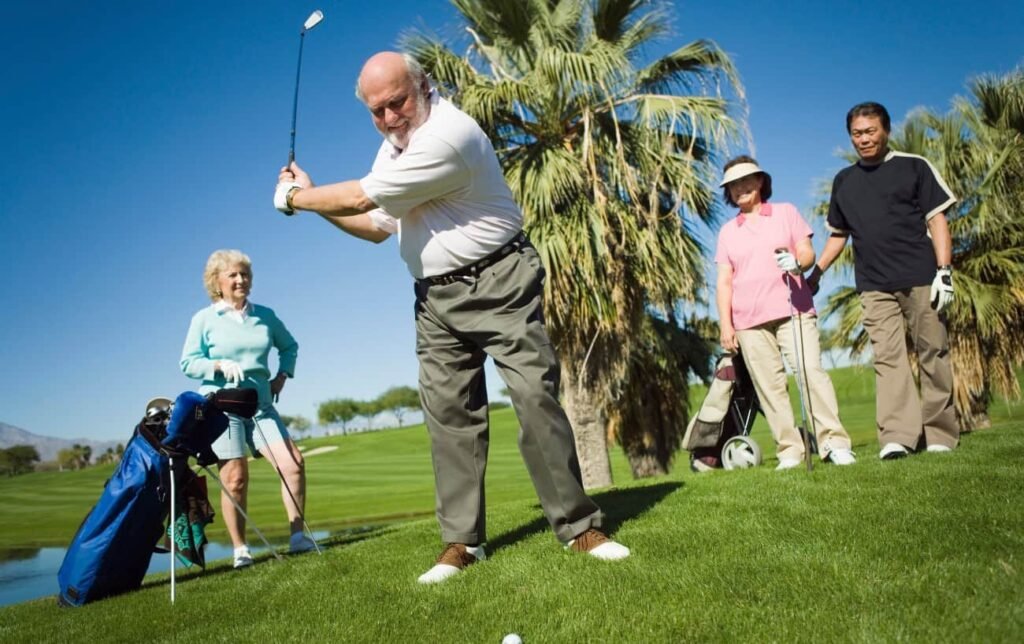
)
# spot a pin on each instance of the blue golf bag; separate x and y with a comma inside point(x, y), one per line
point(112, 549)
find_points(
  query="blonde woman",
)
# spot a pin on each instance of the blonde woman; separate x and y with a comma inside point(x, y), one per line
point(228, 344)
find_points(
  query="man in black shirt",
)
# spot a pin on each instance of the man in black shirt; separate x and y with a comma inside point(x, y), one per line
point(893, 205)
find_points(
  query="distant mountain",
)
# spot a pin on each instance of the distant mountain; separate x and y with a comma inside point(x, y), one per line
point(47, 446)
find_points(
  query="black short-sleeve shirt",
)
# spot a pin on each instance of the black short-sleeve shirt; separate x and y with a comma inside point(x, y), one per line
point(885, 208)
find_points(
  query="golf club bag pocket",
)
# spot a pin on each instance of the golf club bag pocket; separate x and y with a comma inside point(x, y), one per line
point(708, 425)
point(111, 551)
point(728, 410)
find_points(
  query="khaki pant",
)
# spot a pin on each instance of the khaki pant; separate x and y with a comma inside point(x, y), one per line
point(763, 349)
point(901, 415)
point(459, 324)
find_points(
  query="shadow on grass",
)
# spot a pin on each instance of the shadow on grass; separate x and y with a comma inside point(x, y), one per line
point(619, 506)
point(344, 538)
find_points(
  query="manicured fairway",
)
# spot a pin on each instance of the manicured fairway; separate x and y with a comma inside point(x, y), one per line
point(926, 549)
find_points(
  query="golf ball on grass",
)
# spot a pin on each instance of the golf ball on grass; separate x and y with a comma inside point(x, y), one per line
point(512, 638)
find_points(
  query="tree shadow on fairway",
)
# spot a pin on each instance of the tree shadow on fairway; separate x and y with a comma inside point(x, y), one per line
point(619, 506)
point(345, 537)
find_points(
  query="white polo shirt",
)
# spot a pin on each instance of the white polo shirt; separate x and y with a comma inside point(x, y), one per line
point(444, 195)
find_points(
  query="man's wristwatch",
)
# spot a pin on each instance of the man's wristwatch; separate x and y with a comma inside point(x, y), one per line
point(288, 196)
point(946, 267)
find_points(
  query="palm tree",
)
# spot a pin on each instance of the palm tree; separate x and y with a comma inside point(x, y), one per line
point(986, 322)
point(978, 147)
point(656, 387)
point(604, 154)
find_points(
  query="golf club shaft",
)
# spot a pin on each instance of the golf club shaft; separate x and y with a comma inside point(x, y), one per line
point(295, 101)
point(174, 491)
point(794, 320)
point(238, 507)
point(280, 475)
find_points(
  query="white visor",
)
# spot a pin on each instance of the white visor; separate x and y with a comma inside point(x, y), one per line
point(739, 171)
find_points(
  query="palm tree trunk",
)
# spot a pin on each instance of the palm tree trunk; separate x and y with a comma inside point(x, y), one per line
point(977, 414)
point(586, 415)
point(645, 464)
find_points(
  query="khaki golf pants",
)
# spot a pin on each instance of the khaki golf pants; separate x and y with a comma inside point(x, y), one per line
point(901, 414)
point(459, 324)
point(763, 348)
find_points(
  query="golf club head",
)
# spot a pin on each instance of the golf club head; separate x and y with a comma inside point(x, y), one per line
point(313, 20)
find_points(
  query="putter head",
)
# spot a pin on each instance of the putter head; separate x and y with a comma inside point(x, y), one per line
point(313, 20)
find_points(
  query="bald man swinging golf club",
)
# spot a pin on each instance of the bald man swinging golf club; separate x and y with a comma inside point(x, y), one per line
point(437, 182)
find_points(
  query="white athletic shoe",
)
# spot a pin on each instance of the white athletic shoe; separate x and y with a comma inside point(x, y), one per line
point(940, 448)
point(787, 464)
point(299, 543)
point(243, 558)
point(892, 451)
point(452, 560)
point(842, 457)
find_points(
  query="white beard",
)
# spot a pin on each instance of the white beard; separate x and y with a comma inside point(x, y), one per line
point(401, 141)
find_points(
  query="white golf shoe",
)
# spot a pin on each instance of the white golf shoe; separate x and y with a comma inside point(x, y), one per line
point(842, 457)
point(454, 558)
point(242, 557)
point(939, 448)
point(596, 544)
point(787, 464)
point(891, 451)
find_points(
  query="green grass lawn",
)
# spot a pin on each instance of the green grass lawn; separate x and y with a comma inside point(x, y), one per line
point(377, 477)
point(930, 548)
point(371, 478)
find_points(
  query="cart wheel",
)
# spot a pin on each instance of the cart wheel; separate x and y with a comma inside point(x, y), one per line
point(740, 452)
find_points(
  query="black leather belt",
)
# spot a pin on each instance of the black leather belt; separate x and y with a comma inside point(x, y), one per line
point(473, 270)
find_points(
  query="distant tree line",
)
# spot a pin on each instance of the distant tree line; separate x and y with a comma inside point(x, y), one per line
point(79, 456)
point(399, 401)
point(18, 459)
point(22, 459)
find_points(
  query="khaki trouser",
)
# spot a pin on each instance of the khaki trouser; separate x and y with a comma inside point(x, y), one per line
point(497, 313)
point(763, 349)
point(901, 415)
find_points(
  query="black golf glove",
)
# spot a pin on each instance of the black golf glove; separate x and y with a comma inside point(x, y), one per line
point(813, 278)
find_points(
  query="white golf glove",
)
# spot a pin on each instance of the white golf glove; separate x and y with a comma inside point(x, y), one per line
point(942, 288)
point(786, 261)
point(281, 196)
point(232, 371)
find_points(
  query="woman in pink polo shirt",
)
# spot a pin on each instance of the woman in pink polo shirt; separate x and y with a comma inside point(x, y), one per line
point(754, 286)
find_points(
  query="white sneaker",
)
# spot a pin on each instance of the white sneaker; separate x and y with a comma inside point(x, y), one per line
point(892, 451)
point(453, 559)
point(842, 457)
point(299, 543)
point(939, 448)
point(243, 558)
point(787, 464)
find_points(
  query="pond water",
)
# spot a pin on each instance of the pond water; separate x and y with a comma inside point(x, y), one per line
point(30, 573)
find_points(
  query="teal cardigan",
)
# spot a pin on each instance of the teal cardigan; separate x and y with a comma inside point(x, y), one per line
point(215, 335)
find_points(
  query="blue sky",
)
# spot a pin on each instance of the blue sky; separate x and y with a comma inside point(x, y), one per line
point(141, 136)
